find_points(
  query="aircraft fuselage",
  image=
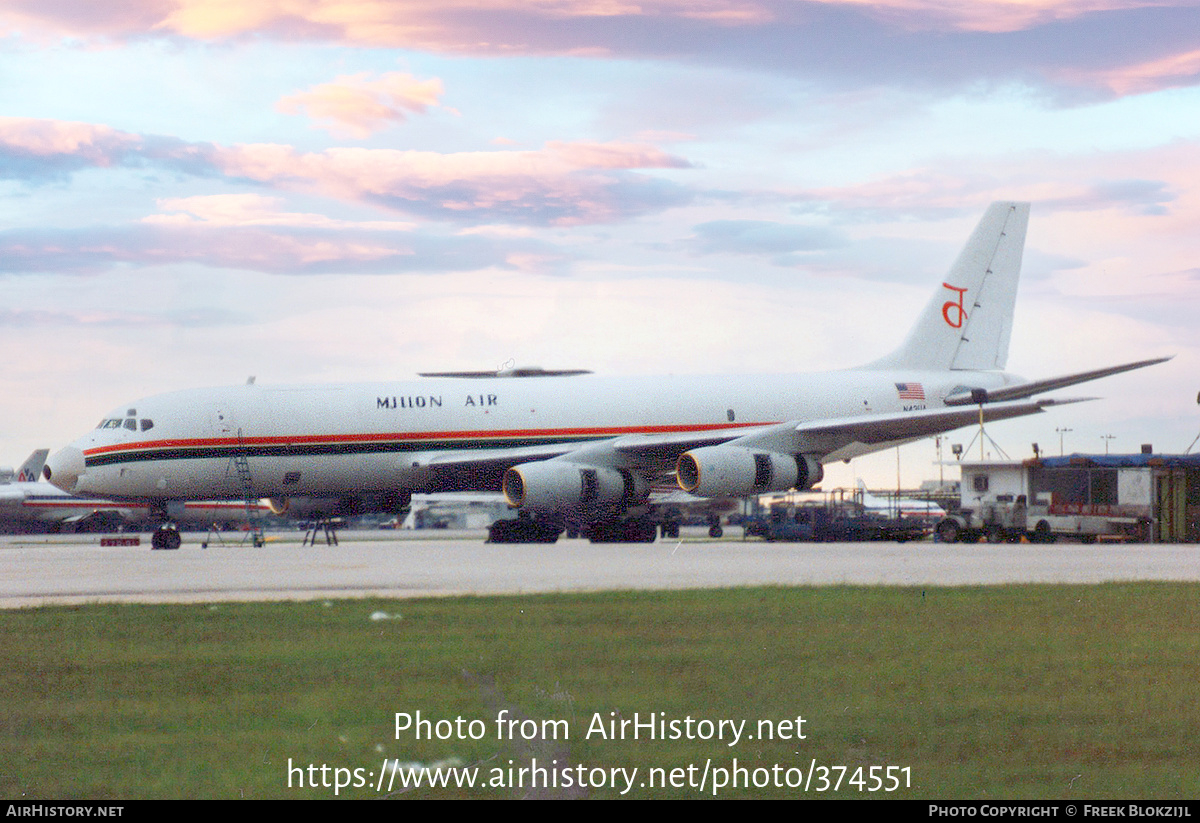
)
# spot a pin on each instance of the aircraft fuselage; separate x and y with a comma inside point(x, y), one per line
point(381, 437)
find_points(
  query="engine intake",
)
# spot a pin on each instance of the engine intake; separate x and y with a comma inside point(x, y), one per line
point(736, 471)
point(315, 507)
point(555, 486)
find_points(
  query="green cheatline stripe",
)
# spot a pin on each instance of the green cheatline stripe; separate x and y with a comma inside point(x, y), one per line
point(309, 450)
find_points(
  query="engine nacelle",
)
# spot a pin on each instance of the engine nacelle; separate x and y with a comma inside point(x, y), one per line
point(556, 486)
point(308, 508)
point(737, 471)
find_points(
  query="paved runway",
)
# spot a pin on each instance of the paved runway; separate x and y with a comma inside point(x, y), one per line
point(42, 570)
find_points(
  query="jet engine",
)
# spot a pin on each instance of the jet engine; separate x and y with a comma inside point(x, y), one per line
point(307, 508)
point(736, 471)
point(555, 486)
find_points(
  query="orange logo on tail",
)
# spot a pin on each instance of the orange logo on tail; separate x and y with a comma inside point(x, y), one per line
point(960, 314)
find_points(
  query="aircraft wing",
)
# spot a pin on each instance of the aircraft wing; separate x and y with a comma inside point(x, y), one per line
point(848, 437)
point(655, 452)
point(480, 469)
point(1024, 390)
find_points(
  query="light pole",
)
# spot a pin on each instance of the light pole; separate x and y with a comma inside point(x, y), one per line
point(1061, 432)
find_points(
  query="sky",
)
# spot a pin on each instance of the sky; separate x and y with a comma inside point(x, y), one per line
point(196, 191)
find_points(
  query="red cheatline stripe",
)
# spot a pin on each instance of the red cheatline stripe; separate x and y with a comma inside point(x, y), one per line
point(81, 504)
point(309, 439)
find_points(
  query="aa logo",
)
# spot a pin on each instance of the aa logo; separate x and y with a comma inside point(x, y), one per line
point(953, 312)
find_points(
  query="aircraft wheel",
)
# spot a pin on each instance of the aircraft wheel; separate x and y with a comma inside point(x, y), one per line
point(522, 530)
point(637, 530)
point(715, 531)
point(166, 538)
point(947, 531)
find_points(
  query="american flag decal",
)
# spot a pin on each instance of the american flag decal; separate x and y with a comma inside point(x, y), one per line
point(910, 391)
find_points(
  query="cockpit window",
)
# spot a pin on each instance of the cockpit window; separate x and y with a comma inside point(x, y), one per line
point(127, 423)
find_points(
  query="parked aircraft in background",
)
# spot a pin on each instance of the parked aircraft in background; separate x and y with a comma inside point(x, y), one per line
point(898, 506)
point(28, 505)
point(576, 449)
point(30, 470)
point(454, 510)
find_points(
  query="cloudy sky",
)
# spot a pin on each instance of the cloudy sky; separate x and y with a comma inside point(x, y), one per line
point(194, 191)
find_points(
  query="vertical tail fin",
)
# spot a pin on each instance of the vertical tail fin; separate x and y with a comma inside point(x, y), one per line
point(31, 469)
point(968, 321)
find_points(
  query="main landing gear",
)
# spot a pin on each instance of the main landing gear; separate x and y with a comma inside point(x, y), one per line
point(166, 536)
point(634, 530)
point(523, 530)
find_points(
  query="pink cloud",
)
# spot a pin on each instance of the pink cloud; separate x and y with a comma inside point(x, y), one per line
point(564, 183)
point(593, 155)
point(1173, 70)
point(1143, 182)
point(1117, 46)
point(222, 210)
point(1105, 226)
point(453, 25)
point(358, 106)
point(96, 144)
point(985, 15)
point(457, 25)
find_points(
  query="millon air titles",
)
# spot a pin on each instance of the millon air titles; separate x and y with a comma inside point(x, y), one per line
point(433, 401)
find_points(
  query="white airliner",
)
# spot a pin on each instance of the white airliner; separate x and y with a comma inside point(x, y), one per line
point(899, 506)
point(30, 470)
point(572, 448)
point(29, 505)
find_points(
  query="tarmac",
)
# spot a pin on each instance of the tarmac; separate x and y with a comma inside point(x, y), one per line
point(43, 570)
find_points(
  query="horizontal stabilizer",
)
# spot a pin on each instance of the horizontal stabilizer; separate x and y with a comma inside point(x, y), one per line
point(846, 438)
point(1020, 392)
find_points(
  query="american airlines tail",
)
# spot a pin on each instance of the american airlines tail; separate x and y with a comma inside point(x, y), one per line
point(31, 469)
point(968, 321)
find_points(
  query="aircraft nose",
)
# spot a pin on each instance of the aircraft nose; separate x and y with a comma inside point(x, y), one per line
point(64, 467)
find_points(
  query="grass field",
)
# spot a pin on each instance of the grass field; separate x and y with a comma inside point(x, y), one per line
point(991, 692)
